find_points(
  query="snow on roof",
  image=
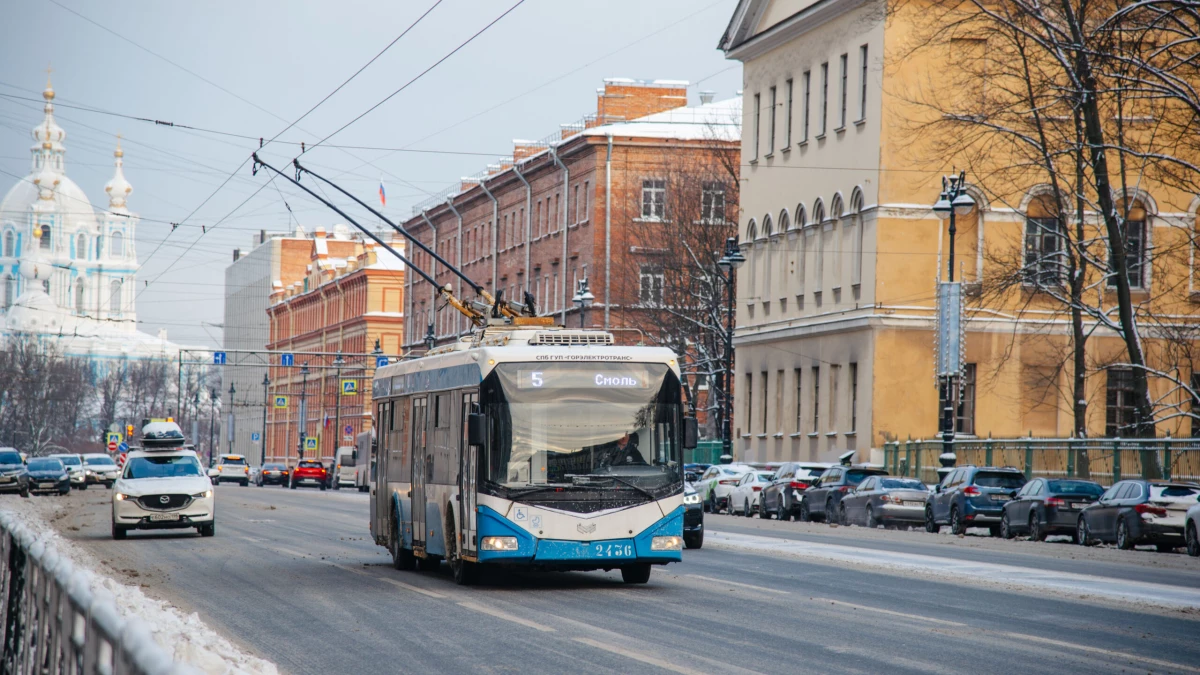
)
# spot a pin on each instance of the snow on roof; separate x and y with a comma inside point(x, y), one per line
point(387, 261)
point(721, 121)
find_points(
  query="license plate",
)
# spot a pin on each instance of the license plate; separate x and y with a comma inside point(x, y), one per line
point(45, 485)
point(914, 503)
point(1075, 505)
point(612, 550)
point(999, 498)
point(6, 479)
point(164, 516)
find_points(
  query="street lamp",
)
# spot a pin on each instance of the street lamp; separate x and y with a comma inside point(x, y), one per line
point(262, 455)
point(729, 264)
point(953, 201)
point(303, 408)
point(583, 298)
point(196, 419)
point(337, 410)
point(430, 338)
point(229, 431)
point(213, 397)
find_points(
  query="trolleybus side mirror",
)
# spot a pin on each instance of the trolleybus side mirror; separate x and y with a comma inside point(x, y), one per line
point(691, 433)
point(476, 429)
point(354, 455)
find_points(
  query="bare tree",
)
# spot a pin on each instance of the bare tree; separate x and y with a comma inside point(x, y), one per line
point(44, 396)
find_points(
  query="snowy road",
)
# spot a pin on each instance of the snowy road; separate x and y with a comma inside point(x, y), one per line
point(294, 577)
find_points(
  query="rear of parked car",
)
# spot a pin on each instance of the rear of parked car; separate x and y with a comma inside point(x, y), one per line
point(1046, 506)
point(972, 496)
point(232, 469)
point(1136, 512)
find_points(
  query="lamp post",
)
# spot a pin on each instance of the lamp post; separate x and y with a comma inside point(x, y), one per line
point(729, 263)
point(303, 409)
point(229, 431)
point(953, 201)
point(262, 454)
point(337, 405)
point(196, 419)
point(583, 298)
point(213, 397)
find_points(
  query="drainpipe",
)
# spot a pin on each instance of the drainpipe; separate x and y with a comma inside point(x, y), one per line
point(528, 227)
point(495, 219)
point(562, 269)
point(607, 231)
point(433, 293)
point(457, 260)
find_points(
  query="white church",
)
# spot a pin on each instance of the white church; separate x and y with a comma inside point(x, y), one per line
point(68, 270)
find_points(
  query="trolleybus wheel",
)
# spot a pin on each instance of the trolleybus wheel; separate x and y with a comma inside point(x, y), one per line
point(638, 573)
point(465, 572)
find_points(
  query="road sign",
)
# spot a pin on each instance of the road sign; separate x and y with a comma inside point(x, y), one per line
point(349, 387)
point(255, 437)
point(347, 438)
point(112, 438)
point(218, 358)
point(287, 360)
point(112, 447)
point(349, 429)
point(310, 444)
point(381, 361)
point(122, 447)
point(281, 401)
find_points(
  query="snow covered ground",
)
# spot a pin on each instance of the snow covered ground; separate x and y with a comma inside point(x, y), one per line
point(183, 635)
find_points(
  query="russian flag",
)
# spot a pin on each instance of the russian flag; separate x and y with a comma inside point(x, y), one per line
point(382, 194)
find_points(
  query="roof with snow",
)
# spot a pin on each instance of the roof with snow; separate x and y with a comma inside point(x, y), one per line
point(720, 121)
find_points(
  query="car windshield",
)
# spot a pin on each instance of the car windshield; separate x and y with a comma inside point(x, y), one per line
point(311, 464)
point(171, 466)
point(856, 476)
point(1174, 492)
point(45, 464)
point(902, 484)
point(10, 458)
point(69, 460)
point(604, 425)
point(233, 460)
point(272, 467)
point(99, 461)
point(999, 479)
point(1074, 487)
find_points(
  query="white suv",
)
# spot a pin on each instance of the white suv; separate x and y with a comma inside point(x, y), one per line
point(164, 489)
point(232, 469)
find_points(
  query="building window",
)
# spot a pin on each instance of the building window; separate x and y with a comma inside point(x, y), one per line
point(824, 98)
point(749, 402)
point(1043, 251)
point(862, 95)
point(797, 375)
point(835, 375)
point(964, 417)
point(807, 105)
point(712, 203)
point(1195, 410)
point(654, 199)
point(587, 200)
point(787, 127)
point(853, 397)
point(650, 285)
point(79, 293)
point(114, 297)
point(9, 290)
point(771, 136)
point(843, 64)
point(10, 245)
point(1135, 254)
point(1120, 407)
point(765, 407)
point(816, 398)
point(44, 242)
point(46, 286)
point(116, 245)
point(81, 247)
point(757, 123)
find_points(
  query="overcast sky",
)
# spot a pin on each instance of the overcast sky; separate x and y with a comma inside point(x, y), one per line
point(251, 68)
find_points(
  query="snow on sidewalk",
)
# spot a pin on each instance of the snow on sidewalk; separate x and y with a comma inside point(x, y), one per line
point(1082, 586)
point(186, 637)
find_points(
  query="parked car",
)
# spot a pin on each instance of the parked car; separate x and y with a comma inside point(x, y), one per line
point(972, 496)
point(820, 502)
point(1191, 531)
point(13, 477)
point(309, 472)
point(693, 518)
point(781, 498)
point(744, 498)
point(1048, 506)
point(717, 482)
point(232, 469)
point(100, 469)
point(273, 474)
point(884, 500)
point(1134, 512)
point(48, 475)
point(75, 468)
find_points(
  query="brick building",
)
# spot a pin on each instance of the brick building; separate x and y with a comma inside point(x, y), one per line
point(349, 299)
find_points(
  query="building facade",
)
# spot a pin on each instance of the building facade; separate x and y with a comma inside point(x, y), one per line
point(836, 304)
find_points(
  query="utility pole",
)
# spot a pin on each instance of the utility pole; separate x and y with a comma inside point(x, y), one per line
point(262, 455)
point(337, 406)
point(729, 263)
point(303, 409)
point(953, 201)
point(212, 425)
point(229, 432)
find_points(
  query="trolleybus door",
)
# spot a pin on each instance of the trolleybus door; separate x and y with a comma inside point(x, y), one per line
point(468, 471)
point(419, 450)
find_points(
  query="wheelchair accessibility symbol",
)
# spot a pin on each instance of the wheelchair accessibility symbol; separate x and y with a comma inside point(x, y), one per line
point(521, 514)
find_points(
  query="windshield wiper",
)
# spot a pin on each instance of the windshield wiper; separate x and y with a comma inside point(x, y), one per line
point(589, 476)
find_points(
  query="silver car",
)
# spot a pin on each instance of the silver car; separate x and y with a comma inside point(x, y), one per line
point(884, 500)
point(100, 469)
point(1191, 531)
point(76, 469)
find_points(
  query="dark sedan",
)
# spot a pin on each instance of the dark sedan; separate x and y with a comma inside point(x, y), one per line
point(1134, 512)
point(47, 475)
point(1048, 506)
point(693, 518)
point(13, 477)
point(820, 501)
point(272, 474)
point(884, 500)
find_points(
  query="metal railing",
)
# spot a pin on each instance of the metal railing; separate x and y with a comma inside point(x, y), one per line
point(1105, 460)
point(54, 624)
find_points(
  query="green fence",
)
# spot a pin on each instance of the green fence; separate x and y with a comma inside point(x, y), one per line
point(706, 452)
point(1099, 459)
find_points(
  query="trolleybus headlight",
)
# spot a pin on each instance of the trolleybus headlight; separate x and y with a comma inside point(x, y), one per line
point(666, 544)
point(499, 544)
point(692, 498)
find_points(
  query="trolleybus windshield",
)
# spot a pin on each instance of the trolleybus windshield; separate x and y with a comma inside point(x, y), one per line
point(584, 425)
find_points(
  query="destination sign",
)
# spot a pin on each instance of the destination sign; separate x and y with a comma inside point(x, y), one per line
point(583, 378)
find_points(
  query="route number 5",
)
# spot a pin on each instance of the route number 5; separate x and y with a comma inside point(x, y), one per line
point(536, 377)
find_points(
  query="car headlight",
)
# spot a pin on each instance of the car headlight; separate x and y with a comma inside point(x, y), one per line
point(691, 499)
point(120, 497)
point(202, 495)
point(666, 544)
point(498, 544)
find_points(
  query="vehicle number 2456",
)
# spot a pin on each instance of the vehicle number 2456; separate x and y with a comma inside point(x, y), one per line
point(612, 550)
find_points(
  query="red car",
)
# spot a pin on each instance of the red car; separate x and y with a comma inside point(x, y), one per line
point(309, 472)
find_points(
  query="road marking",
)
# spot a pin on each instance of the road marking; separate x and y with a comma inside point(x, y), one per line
point(764, 589)
point(410, 587)
point(1107, 652)
point(492, 611)
point(638, 656)
point(880, 610)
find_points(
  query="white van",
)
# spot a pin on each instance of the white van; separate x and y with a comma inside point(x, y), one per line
point(343, 467)
point(364, 460)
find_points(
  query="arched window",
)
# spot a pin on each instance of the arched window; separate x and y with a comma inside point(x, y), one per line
point(768, 227)
point(819, 258)
point(116, 245)
point(81, 247)
point(785, 223)
point(855, 234)
point(1045, 242)
point(114, 297)
point(79, 294)
point(10, 244)
point(801, 218)
point(1137, 219)
point(764, 256)
point(45, 240)
point(9, 290)
point(818, 213)
point(751, 230)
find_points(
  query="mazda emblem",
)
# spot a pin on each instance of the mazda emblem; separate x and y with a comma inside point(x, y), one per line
point(165, 499)
point(586, 529)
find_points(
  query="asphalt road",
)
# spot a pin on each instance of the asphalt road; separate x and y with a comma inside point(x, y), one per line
point(294, 577)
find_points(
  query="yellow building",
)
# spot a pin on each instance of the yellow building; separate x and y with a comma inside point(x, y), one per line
point(836, 303)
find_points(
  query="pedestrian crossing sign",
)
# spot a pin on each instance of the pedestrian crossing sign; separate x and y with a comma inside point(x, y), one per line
point(281, 401)
point(310, 444)
point(349, 387)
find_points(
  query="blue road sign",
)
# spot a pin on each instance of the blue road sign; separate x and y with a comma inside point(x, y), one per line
point(255, 437)
point(287, 360)
point(310, 444)
point(349, 387)
point(123, 447)
point(381, 361)
point(218, 358)
point(281, 401)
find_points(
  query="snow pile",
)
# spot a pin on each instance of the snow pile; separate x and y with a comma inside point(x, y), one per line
point(186, 637)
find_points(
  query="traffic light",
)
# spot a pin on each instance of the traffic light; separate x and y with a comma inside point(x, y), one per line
point(128, 431)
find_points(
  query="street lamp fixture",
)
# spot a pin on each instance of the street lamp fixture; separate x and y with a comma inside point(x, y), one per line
point(583, 298)
point(952, 201)
point(262, 453)
point(303, 408)
point(729, 263)
point(733, 258)
point(337, 406)
point(229, 431)
point(430, 338)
